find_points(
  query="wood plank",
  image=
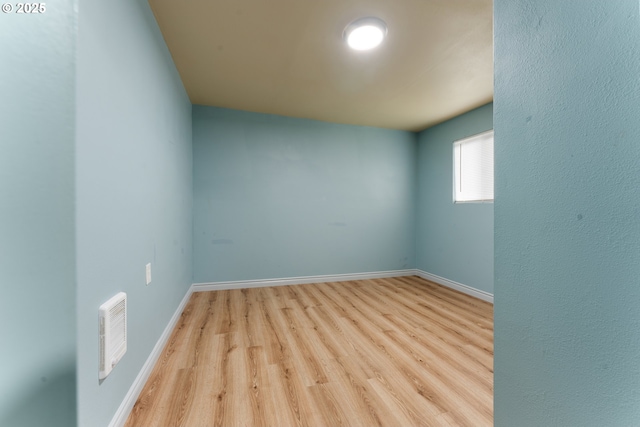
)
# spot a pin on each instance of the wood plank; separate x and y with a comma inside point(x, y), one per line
point(387, 352)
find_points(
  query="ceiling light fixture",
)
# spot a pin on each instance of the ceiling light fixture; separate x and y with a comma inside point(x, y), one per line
point(365, 33)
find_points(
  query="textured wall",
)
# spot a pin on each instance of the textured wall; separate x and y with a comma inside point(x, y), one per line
point(567, 236)
point(37, 270)
point(280, 197)
point(134, 187)
point(453, 240)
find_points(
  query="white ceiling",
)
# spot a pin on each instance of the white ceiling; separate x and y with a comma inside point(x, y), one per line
point(287, 57)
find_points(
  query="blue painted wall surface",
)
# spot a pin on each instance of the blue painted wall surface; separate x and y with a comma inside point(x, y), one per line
point(282, 197)
point(134, 190)
point(37, 266)
point(567, 211)
point(454, 241)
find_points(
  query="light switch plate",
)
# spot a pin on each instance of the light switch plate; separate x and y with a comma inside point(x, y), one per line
point(148, 269)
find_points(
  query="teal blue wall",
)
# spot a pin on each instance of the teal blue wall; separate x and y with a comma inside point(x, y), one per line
point(134, 187)
point(282, 197)
point(567, 213)
point(37, 250)
point(454, 241)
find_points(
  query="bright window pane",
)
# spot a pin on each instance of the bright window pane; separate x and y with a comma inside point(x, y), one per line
point(473, 168)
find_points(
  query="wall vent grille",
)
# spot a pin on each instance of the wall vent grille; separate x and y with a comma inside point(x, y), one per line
point(113, 333)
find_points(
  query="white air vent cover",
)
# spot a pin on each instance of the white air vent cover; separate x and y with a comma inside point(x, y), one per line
point(113, 333)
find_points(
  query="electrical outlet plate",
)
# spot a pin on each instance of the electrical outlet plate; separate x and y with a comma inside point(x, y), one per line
point(148, 270)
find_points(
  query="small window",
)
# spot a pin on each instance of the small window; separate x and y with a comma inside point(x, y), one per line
point(473, 168)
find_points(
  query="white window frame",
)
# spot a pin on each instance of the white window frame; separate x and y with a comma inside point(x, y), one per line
point(458, 194)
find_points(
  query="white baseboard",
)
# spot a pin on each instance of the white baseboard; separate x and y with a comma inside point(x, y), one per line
point(485, 296)
point(243, 284)
point(121, 415)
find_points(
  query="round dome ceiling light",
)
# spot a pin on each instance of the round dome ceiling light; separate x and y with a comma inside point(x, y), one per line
point(365, 33)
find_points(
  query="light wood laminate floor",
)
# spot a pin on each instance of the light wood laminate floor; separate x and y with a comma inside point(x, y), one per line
point(383, 352)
